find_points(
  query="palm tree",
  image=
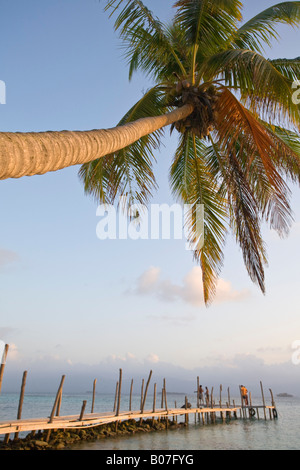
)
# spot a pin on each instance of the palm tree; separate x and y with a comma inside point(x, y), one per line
point(232, 109)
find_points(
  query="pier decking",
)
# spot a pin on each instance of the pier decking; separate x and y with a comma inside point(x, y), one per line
point(204, 415)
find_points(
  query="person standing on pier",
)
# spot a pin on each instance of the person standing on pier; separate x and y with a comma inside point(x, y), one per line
point(201, 395)
point(244, 392)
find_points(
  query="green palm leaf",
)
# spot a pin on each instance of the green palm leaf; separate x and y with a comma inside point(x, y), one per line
point(261, 85)
point(258, 158)
point(289, 68)
point(146, 42)
point(261, 30)
point(128, 172)
point(193, 182)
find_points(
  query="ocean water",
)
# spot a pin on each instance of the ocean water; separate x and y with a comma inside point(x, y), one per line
point(280, 434)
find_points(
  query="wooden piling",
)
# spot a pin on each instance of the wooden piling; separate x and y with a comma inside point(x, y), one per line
point(119, 393)
point(146, 391)
point(19, 415)
point(263, 399)
point(3, 362)
point(142, 395)
point(154, 398)
point(82, 410)
point(154, 402)
point(94, 393)
point(165, 395)
point(59, 392)
point(130, 395)
point(186, 407)
point(58, 405)
point(116, 397)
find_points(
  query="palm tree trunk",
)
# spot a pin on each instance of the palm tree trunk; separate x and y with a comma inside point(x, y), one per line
point(36, 153)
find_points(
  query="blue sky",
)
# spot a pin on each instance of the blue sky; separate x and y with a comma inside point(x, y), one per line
point(69, 301)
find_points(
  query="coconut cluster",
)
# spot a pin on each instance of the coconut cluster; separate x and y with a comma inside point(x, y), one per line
point(204, 99)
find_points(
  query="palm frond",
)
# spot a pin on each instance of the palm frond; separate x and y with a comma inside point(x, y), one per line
point(238, 129)
point(263, 88)
point(289, 68)
point(287, 157)
point(128, 172)
point(208, 24)
point(259, 31)
point(192, 182)
point(146, 42)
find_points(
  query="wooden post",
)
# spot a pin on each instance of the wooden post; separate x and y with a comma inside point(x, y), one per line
point(19, 415)
point(165, 393)
point(146, 391)
point(154, 398)
point(59, 391)
point(119, 393)
point(130, 395)
point(263, 398)
point(57, 398)
point(94, 393)
point(228, 391)
point(211, 397)
point(2, 366)
point(198, 387)
point(154, 403)
point(186, 407)
point(273, 404)
point(58, 405)
point(116, 396)
point(221, 389)
point(142, 395)
point(82, 410)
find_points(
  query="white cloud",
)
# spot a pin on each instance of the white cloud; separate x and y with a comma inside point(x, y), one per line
point(148, 280)
point(13, 352)
point(153, 358)
point(189, 291)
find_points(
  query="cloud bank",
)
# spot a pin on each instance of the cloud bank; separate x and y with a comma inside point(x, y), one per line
point(189, 291)
point(44, 373)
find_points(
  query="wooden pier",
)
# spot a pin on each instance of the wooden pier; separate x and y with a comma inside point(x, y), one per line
point(206, 412)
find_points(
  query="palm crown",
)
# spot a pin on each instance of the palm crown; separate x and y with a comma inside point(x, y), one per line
point(238, 148)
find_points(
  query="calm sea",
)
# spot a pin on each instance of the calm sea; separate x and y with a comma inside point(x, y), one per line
point(281, 434)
